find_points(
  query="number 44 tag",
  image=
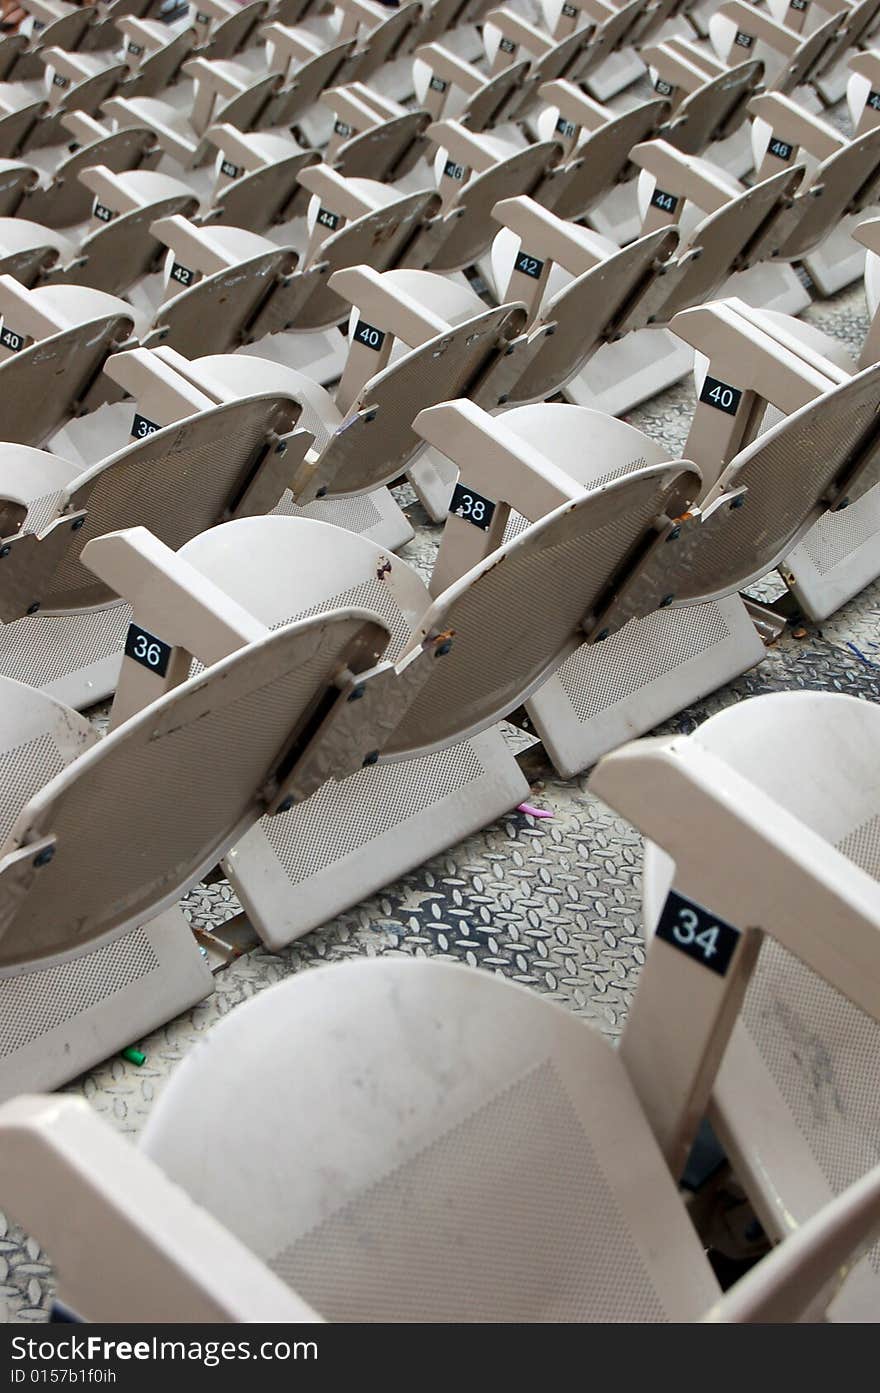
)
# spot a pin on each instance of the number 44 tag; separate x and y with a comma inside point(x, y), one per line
point(695, 931)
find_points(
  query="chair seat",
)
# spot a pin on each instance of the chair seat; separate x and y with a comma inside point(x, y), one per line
point(485, 1156)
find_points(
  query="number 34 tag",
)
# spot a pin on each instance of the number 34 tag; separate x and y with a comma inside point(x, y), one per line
point(695, 931)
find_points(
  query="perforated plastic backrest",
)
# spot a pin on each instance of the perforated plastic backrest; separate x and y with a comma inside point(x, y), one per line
point(714, 110)
point(367, 453)
point(849, 180)
point(306, 86)
point(85, 96)
point(787, 470)
point(518, 615)
point(121, 251)
point(18, 124)
point(151, 807)
point(470, 231)
point(572, 188)
point(176, 482)
point(809, 59)
point(724, 239)
point(584, 312)
point(392, 1158)
point(248, 110)
point(382, 42)
point(493, 102)
point(217, 310)
point(66, 200)
point(262, 196)
point(70, 361)
point(384, 151)
point(159, 68)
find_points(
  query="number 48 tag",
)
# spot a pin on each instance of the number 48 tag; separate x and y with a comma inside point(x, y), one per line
point(695, 931)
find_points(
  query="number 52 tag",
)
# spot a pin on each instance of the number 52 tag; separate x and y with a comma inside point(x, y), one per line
point(697, 932)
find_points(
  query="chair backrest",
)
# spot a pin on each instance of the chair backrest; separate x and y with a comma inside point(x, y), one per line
point(518, 614)
point(261, 197)
point(715, 110)
point(66, 201)
point(468, 228)
point(160, 68)
point(305, 87)
point(849, 180)
point(16, 179)
point(126, 828)
point(381, 152)
point(570, 189)
point(178, 481)
point(121, 251)
point(218, 309)
point(69, 362)
point(16, 126)
point(86, 96)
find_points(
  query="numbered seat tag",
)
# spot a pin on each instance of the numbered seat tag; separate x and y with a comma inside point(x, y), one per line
point(665, 89)
point(328, 219)
point(507, 46)
point(202, 18)
point(182, 274)
point(342, 128)
point(780, 149)
point(453, 170)
point(141, 427)
point(743, 40)
point(58, 80)
point(799, 5)
point(566, 128)
point(437, 84)
point(873, 101)
point(721, 395)
point(369, 336)
point(472, 507)
point(570, 11)
point(136, 49)
point(666, 201)
point(692, 929)
point(103, 213)
point(11, 340)
point(146, 649)
point(529, 265)
point(232, 171)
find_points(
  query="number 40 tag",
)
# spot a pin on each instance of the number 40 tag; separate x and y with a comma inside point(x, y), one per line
point(695, 931)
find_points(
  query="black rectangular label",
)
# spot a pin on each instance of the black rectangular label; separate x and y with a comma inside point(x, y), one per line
point(232, 171)
point(182, 274)
point(743, 40)
point(141, 427)
point(328, 219)
point(136, 49)
point(147, 650)
point(102, 213)
point(507, 46)
point(664, 88)
point(564, 127)
point(453, 170)
point(38, 24)
point(202, 18)
point(570, 11)
point(472, 506)
point(437, 84)
point(721, 395)
point(781, 149)
point(529, 265)
point(342, 128)
point(59, 81)
point(693, 930)
point(369, 336)
point(9, 339)
point(873, 101)
point(798, 4)
point(667, 201)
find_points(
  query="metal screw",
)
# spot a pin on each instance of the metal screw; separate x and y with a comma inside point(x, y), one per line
point(370, 416)
point(838, 508)
point(281, 447)
point(371, 757)
point(602, 635)
point(356, 693)
point(43, 857)
point(4, 551)
point(444, 648)
point(667, 600)
point(738, 502)
point(508, 351)
point(32, 609)
point(321, 492)
point(287, 804)
point(550, 330)
point(505, 396)
point(77, 524)
point(674, 534)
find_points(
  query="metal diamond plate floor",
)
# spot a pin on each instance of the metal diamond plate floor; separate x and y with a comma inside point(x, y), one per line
point(553, 904)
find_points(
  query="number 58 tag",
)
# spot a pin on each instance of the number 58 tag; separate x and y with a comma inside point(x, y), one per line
point(695, 931)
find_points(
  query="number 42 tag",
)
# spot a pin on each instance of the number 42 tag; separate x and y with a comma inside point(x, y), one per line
point(695, 931)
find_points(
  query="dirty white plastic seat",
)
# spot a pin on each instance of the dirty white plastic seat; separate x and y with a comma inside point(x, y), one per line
point(419, 1073)
point(795, 1102)
point(94, 946)
point(59, 199)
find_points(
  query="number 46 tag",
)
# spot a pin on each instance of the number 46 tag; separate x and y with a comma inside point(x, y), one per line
point(695, 931)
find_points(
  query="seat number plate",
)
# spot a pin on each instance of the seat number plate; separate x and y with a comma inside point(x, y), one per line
point(342, 128)
point(453, 170)
point(873, 101)
point(146, 649)
point(141, 427)
point(182, 274)
point(103, 213)
point(328, 219)
point(781, 149)
point(472, 507)
point(743, 40)
point(664, 88)
point(232, 171)
point(529, 265)
point(437, 84)
point(369, 336)
point(566, 128)
point(721, 395)
point(693, 930)
point(507, 46)
point(666, 201)
point(9, 339)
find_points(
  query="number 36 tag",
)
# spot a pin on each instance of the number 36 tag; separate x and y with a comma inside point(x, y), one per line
point(147, 650)
point(692, 929)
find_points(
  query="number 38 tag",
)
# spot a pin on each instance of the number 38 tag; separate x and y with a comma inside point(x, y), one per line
point(472, 506)
point(147, 650)
point(692, 929)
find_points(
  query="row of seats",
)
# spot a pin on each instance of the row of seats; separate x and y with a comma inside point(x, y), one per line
point(294, 258)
